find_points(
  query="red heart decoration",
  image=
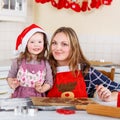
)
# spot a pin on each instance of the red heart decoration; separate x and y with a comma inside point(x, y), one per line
point(60, 4)
point(42, 1)
point(37, 1)
point(76, 7)
point(98, 3)
point(66, 4)
point(67, 95)
point(84, 6)
point(54, 4)
point(93, 4)
point(106, 2)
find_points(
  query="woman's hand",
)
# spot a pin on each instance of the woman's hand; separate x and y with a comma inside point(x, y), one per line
point(13, 83)
point(105, 94)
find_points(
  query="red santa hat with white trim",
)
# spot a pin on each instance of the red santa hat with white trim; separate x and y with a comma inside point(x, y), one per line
point(25, 36)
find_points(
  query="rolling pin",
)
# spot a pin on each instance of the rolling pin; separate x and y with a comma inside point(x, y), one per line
point(103, 110)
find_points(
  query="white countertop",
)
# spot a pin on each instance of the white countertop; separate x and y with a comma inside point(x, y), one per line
point(53, 115)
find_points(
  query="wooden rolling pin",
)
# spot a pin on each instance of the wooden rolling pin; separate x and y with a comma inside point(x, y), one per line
point(103, 110)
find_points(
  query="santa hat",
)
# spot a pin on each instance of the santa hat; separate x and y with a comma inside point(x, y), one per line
point(25, 36)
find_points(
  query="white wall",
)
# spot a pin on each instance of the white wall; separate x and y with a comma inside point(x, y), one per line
point(98, 30)
point(9, 32)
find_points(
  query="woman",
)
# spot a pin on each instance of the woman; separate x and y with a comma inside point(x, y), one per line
point(73, 75)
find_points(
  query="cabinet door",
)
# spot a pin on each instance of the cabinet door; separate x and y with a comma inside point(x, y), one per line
point(5, 90)
point(13, 10)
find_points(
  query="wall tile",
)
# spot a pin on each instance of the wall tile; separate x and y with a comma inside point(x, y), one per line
point(98, 47)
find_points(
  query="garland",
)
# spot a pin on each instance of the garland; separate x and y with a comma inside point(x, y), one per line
point(77, 5)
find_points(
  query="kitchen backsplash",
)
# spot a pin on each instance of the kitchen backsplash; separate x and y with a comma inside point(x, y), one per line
point(94, 47)
point(101, 47)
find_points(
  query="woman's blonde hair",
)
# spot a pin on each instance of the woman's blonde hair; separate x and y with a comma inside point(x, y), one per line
point(41, 56)
point(76, 55)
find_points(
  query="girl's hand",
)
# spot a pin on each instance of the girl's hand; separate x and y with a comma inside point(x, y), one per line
point(41, 88)
point(38, 86)
point(103, 93)
point(13, 83)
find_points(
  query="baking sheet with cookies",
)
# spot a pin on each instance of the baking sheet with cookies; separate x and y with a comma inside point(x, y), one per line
point(58, 101)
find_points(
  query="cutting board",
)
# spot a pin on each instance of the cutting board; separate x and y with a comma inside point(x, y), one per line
point(57, 101)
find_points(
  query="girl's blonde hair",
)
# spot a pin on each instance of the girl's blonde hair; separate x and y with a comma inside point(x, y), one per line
point(76, 55)
point(41, 56)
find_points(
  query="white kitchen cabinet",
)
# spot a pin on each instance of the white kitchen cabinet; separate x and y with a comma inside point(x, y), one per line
point(13, 10)
point(5, 90)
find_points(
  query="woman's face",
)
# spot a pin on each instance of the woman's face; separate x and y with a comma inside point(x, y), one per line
point(60, 48)
point(35, 44)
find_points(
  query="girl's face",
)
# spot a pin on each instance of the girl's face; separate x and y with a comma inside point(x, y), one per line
point(35, 44)
point(60, 48)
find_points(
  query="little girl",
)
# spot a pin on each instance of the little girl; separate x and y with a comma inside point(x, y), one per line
point(30, 74)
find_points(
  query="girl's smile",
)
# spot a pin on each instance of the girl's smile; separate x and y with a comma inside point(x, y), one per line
point(36, 44)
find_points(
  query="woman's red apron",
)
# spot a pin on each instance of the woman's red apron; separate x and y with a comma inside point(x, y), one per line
point(68, 86)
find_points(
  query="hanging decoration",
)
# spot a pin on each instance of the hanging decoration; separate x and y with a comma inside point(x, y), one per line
point(77, 5)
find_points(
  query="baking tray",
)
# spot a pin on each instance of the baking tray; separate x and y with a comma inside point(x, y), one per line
point(58, 101)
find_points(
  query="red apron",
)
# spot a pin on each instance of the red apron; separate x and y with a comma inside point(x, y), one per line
point(68, 86)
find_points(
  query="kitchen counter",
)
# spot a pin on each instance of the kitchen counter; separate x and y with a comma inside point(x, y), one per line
point(107, 68)
point(105, 65)
point(53, 115)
